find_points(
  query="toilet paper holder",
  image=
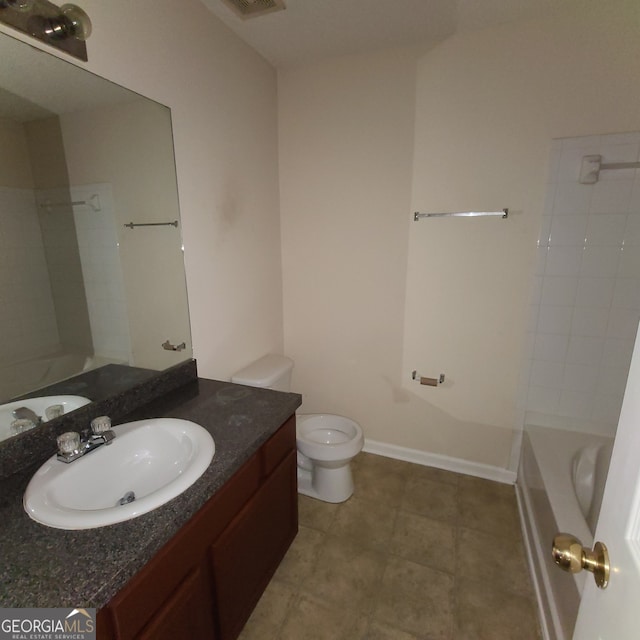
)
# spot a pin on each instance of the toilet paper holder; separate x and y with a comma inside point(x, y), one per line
point(430, 382)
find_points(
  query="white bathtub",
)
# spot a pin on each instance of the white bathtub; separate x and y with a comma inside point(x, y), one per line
point(560, 485)
point(23, 377)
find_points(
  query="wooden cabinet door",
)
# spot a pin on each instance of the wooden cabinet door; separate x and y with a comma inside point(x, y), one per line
point(249, 551)
point(187, 615)
point(242, 533)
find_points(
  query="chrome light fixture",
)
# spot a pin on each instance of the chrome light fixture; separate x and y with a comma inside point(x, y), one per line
point(66, 27)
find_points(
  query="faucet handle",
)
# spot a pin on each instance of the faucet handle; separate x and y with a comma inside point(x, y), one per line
point(100, 424)
point(54, 411)
point(68, 443)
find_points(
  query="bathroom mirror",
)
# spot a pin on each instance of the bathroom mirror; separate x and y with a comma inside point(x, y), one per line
point(91, 258)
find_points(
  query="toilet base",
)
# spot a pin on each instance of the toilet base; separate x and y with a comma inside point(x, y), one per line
point(328, 485)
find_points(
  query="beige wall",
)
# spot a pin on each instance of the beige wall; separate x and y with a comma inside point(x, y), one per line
point(46, 153)
point(129, 146)
point(59, 236)
point(27, 315)
point(223, 101)
point(346, 147)
point(487, 105)
point(15, 164)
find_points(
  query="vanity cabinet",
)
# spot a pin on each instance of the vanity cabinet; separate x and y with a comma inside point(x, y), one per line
point(187, 613)
point(205, 582)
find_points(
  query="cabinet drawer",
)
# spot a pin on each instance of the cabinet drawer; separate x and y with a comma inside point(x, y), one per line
point(279, 445)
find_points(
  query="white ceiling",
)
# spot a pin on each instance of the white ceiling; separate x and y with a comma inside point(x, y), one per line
point(310, 30)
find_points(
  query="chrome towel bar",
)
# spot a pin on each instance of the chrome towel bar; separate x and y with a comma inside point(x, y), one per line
point(132, 225)
point(466, 214)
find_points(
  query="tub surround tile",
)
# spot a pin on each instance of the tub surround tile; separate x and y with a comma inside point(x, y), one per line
point(568, 230)
point(606, 229)
point(592, 232)
point(590, 321)
point(559, 290)
point(571, 198)
point(550, 348)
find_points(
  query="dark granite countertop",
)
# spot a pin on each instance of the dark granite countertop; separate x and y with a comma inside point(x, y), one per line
point(96, 384)
point(46, 567)
point(115, 390)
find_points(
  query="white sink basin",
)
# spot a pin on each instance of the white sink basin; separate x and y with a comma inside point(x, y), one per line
point(39, 406)
point(155, 459)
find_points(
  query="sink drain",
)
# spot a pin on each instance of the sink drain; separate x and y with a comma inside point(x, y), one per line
point(126, 498)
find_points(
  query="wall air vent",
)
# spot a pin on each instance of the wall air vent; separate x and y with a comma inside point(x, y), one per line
point(254, 8)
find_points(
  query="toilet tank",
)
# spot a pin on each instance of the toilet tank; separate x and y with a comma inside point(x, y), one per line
point(269, 372)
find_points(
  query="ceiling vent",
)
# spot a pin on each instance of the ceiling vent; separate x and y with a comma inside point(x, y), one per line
point(254, 8)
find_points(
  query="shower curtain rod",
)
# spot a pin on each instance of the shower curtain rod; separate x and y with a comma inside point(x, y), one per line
point(92, 202)
point(592, 165)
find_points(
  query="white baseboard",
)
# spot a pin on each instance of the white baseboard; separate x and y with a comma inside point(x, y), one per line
point(486, 471)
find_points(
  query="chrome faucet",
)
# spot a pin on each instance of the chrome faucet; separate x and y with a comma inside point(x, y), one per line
point(71, 446)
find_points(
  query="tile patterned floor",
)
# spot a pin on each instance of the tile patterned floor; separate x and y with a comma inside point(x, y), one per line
point(416, 554)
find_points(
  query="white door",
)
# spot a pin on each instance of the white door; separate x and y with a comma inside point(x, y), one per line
point(614, 613)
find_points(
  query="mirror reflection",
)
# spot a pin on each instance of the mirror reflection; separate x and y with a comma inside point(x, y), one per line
point(80, 158)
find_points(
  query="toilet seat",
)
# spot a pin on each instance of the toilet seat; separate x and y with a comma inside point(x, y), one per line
point(328, 437)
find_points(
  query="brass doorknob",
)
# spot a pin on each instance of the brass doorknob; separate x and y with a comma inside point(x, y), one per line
point(569, 554)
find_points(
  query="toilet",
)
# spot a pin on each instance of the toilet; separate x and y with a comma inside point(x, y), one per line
point(326, 443)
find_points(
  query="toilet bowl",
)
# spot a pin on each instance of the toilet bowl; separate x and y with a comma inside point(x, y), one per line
point(326, 443)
